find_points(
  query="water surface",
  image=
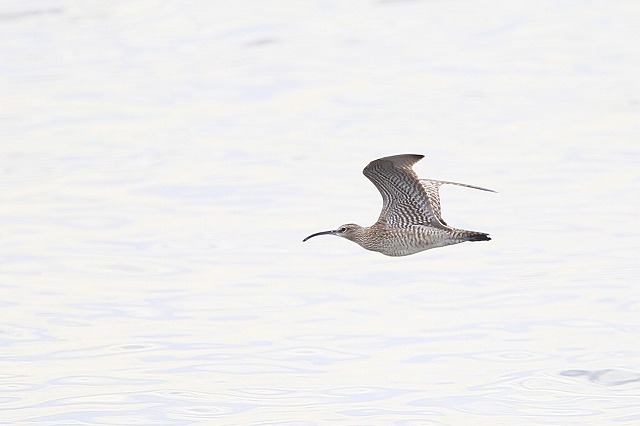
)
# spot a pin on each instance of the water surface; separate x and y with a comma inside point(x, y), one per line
point(161, 163)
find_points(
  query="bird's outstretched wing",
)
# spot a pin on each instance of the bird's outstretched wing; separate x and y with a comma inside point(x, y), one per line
point(432, 186)
point(405, 200)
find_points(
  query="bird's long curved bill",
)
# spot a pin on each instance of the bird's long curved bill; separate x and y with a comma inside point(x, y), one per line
point(319, 233)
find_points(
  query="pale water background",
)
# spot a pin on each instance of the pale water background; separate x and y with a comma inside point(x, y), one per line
point(161, 162)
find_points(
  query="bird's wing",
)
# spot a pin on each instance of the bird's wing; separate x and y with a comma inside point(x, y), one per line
point(405, 200)
point(432, 186)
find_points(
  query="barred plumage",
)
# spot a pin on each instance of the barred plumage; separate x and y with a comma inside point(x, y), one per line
point(411, 219)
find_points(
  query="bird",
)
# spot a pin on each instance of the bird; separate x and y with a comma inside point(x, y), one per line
point(411, 219)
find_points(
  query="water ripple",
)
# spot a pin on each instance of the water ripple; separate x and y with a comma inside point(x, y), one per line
point(362, 394)
point(313, 355)
point(609, 376)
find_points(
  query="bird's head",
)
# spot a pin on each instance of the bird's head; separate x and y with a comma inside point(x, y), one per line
point(350, 231)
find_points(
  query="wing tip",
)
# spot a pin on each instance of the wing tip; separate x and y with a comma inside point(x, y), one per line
point(447, 182)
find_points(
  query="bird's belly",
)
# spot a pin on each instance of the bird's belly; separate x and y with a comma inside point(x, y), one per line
point(403, 242)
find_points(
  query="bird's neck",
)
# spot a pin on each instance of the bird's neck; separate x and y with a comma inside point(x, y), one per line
point(366, 237)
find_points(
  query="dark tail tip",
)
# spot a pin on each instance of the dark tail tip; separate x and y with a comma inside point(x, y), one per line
point(480, 236)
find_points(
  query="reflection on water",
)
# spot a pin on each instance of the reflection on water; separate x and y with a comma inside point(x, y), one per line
point(162, 163)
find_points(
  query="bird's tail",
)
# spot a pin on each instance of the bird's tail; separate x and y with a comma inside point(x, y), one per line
point(478, 236)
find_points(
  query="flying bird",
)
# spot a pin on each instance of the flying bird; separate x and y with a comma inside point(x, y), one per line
point(411, 219)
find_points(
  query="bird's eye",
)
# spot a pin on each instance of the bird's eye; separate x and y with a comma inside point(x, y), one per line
point(343, 229)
